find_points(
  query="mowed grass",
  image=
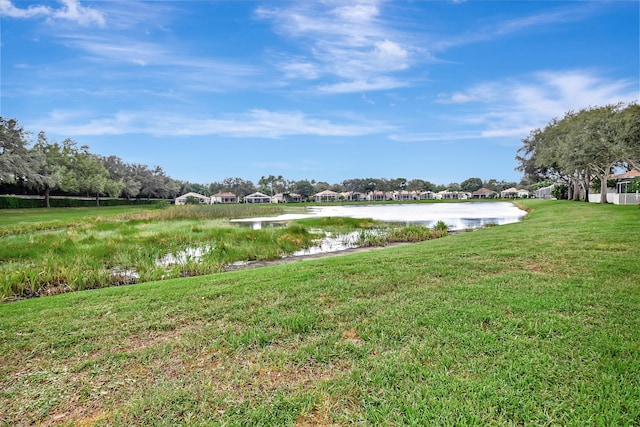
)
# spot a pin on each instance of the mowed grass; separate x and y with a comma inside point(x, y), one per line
point(534, 323)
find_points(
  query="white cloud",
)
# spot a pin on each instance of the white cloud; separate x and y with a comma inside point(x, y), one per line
point(8, 9)
point(254, 124)
point(73, 11)
point(391, 56)
point(70, 10)
point(348, 43)
point(513, 107)
point(304, 70)
point(382, 83)
point(363, 12)
point(436, 136)
point(504, 28)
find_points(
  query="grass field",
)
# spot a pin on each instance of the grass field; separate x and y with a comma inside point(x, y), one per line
point(534, 323)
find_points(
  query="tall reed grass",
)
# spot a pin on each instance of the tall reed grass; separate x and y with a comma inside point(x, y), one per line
point(138, 247)
point(218, 211)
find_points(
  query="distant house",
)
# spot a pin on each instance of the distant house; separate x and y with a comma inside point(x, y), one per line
point(224, 198)
point(426, 195)
point(484, 193)
point(378, 196)
point(403, 195)
point(352, 196)
point(287, 198)
point(326, 196)
point(513, 193)
point(545, 192)
point(446, 195)
point(257, 198)
point(182, 200)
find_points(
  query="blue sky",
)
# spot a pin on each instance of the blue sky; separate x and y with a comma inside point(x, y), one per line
point(325, 90)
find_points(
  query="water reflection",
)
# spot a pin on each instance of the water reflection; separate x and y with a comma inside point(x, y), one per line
point(457, 216)
point(331, 243)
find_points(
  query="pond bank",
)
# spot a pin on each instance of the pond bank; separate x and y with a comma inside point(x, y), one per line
point(288, 260)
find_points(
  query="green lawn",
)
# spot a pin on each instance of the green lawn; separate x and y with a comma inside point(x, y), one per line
point(534, 323)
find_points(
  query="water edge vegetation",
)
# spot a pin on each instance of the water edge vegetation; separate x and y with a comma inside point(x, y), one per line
point(48, 252)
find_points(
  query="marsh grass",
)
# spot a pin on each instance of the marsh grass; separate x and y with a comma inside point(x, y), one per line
point(120, 248)
point(44, 252)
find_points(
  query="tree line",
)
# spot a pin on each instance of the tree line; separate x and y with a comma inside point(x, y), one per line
point(47, 167)
point(582, 148)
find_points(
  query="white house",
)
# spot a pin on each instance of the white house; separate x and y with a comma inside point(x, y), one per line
point(181, 200)
point(257, 198)
point(447, 195)
point(484, 193)
point(224, 198)
point(545, 192)
point(352, 196)
point(326, 196)
point(286, 198)
point(403, 195)
point(426, 195)
point(513, 193)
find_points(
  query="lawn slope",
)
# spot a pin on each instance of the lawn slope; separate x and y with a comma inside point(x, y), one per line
point(534, 323)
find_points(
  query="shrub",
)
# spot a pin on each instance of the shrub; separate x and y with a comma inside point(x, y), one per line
point(12, 202)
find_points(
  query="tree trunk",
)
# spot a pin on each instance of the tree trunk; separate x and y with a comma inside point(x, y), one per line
point(46, 197)
point(575, 184)
point(603, 188)
point(586, 181)
point(97, 199)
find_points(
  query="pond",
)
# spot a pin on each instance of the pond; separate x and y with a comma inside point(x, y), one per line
point(457, 216)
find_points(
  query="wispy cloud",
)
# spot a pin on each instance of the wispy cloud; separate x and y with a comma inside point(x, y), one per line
point(350, 42)
point(502, 28)
point(373, 84)
point(69, 10)
point(253, 124)
point(512, 108)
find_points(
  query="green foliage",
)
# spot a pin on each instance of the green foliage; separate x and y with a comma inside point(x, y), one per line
point(161, 204)
point(470, 185)
point(583, 145)
point(15, 161)
point(560, 191)
point(441, 226)
point(11, 202)
point(192, 200)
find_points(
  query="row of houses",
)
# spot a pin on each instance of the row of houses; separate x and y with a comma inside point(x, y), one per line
point(352, 196)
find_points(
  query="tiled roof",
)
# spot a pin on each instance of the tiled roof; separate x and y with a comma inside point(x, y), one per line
point(628, 174)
